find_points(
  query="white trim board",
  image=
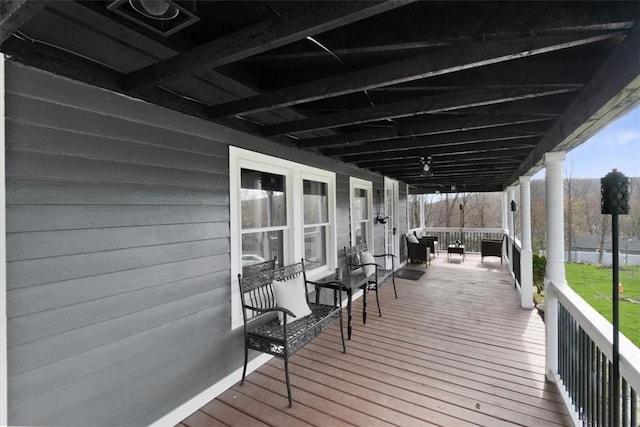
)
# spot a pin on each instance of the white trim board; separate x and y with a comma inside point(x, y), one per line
point(197, 402)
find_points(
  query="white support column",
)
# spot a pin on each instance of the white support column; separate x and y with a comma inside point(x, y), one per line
point(526, 263)
point(554, 191)
point(510, 225)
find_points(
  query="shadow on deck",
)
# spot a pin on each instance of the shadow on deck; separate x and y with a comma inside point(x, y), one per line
point(454, 349)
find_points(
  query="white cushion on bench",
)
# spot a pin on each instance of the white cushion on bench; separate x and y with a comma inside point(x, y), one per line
point(290, 294)
point(412, 239)
point(367, 258)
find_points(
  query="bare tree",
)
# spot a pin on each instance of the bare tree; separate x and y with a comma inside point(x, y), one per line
point(604, 229)
point(538, 215)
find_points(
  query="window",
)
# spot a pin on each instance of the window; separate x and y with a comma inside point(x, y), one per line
point(263, 212)
point(316, 221)
point(414, 202)
point(279, 209)
point(361, 211)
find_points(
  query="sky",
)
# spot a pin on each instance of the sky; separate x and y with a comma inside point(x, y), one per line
point(617, 145)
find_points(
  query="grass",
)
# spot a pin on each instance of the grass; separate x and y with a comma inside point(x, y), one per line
point(594, 285)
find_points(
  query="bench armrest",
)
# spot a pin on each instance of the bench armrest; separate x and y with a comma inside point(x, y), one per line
point(267, 310)
point(381, 255)
point(335, 285)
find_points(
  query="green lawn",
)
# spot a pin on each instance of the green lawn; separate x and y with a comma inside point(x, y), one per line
point(594, 285)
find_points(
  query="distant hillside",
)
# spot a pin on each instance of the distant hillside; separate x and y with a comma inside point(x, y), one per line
point(582, 211)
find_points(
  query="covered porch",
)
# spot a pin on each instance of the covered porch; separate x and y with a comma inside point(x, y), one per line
point(147, 143)
point(455, 348)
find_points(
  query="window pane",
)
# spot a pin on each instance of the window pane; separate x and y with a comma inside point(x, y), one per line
point(263, 201)
point(361, 232)
point(315, 246)
point(360, 204)
point(413, 202)
point(316, 203)
point(262, 246)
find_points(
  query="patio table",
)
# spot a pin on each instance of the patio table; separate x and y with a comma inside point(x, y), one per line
point(453, 249)
point(352, 282)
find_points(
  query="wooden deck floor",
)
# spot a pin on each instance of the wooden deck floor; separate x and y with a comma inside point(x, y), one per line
point(454, 349)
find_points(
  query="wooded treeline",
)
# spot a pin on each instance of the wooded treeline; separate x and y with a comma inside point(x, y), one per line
point(581, 212)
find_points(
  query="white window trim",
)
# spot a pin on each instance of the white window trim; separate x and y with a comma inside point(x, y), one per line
point(357, 183)
point(294, 248)
point(330, 179)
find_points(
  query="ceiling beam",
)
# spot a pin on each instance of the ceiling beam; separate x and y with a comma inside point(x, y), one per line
point(415, 166)
point(15, 13)
point(256, 39)
point(413, 107)
point(460, 150)
point(612, 92)
point(516, 156)
point(455, 124)
point(449, 139)
point(432, 189)
point(442, 61)
point(454, 176)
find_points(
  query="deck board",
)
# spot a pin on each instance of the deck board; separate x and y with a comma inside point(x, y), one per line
point(454, 349)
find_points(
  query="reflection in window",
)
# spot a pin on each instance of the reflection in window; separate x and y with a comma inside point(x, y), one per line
point(263, 209)
point(262, 246)
point(316, 221)
point(413, 205)
point(360, 204)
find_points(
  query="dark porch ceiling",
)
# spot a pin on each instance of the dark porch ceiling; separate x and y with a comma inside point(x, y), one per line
point(483, 88)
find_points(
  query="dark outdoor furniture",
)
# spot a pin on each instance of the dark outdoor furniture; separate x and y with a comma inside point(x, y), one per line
point(491, 247)
point(418, 252)
point(262, 329)
point(453, 249)
point(253, 269)
point(350, 283)
point(432, 241)
point(375, 280)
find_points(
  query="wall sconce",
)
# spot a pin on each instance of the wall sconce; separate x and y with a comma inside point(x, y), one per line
point(379, 218)
point(453, 186)
point(513, 206)
point(425, 166)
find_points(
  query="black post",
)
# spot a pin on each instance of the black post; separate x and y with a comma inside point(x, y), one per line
point(513, 244)
point(615, 200)
point(461, 223)
point(513, 210)
point(615, 384)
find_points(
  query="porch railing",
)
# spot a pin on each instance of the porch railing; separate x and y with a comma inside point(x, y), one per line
point(471, 238)
point(584, 367)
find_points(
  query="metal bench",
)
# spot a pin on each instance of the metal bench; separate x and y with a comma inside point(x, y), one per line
point(262, 328)
point(375, 280)
point(253, 269)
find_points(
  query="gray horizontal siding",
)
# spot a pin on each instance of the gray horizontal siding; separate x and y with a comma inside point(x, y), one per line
point(45, 191)
point(118, 253)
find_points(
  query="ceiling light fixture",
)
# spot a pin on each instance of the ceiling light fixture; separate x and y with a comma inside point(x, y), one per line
point(162, 10)
point(164, 17)
point(453, 186)
point(426, 166)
